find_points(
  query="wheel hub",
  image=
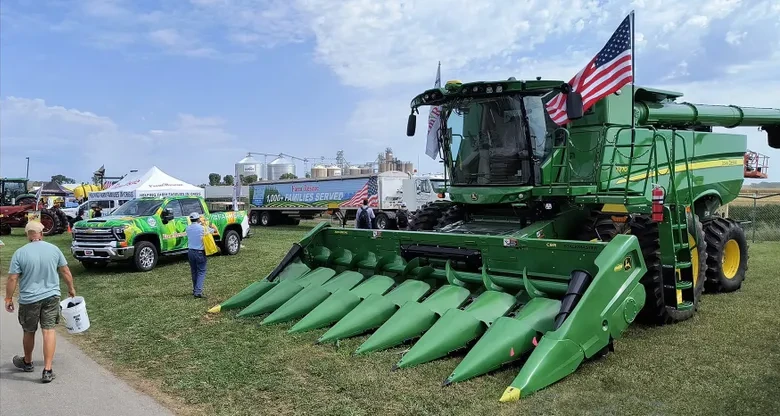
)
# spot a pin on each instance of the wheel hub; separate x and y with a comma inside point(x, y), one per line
point(147, 257)
point(730, 259)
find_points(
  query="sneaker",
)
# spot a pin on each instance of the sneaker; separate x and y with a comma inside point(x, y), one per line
point(19, 363)
point(47, 376)
point(201, 296)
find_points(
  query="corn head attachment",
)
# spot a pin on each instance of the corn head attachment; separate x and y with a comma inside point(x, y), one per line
point(501, 295)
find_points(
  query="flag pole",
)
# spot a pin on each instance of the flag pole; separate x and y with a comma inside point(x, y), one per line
point(633, 76)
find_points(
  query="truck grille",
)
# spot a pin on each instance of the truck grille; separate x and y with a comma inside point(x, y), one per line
point(93, 235)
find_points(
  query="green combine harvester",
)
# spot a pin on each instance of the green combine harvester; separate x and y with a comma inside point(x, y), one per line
point(555, 240)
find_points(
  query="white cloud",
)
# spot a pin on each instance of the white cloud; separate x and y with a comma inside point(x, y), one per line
point(735, 38)
point(74, 142)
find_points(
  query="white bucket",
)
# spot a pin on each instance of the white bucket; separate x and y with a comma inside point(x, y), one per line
point(76, 319)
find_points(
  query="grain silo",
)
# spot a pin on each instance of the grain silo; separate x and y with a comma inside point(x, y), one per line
point(409, 167)
point(248, 166)
point(354, 170)
point(367, 169)
point(334, 170)
point(319, 171)
point(279, 167)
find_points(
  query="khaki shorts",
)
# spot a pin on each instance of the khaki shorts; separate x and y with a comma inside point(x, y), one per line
point(45, 311)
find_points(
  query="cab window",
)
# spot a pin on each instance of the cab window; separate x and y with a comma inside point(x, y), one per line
point(175, 208)
point(191, 205)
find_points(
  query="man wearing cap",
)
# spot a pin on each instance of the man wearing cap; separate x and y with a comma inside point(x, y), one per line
point(197, 253)
point(36, 266)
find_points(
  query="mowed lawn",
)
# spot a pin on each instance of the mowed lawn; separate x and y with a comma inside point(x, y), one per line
point(148, 328)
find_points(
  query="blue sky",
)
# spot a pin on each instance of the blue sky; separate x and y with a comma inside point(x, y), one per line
point(192, 85)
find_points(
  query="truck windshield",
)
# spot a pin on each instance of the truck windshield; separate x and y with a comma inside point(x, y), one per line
point(138, 208)
point(490, 139)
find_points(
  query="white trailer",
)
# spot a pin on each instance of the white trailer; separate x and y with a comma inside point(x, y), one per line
point(288, 201)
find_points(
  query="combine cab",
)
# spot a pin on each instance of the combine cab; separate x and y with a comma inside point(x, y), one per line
point(555, 239)
point(756, 165)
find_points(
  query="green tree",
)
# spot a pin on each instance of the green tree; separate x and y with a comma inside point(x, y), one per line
point(246, 180)
point(60, 179)
point(214, 179)
point(288, 176)
point(228, 180)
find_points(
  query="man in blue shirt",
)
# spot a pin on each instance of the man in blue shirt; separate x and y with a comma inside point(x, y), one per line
point(197, 253)
point(38, 264)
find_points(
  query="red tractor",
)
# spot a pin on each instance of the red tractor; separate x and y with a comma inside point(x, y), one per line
point(15, 216)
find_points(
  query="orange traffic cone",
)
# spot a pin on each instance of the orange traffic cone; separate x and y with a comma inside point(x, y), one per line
point(69, 230)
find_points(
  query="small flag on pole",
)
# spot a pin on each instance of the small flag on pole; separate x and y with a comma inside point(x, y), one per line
point(434, 123)
point(607, 72)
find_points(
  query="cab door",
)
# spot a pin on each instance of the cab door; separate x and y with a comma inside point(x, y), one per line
point(174, 233)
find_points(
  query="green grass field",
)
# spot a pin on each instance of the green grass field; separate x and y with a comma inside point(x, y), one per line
point(149, 329)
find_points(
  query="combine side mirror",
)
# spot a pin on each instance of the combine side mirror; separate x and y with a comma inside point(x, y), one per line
point(574, 108)
point(411, 125)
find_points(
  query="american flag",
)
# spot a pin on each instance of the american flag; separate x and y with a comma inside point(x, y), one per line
point(606, 73)
point(434, 123)
point(368, 191)
point(107, 184)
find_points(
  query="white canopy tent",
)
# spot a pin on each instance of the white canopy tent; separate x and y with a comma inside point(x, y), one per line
point(152, 183)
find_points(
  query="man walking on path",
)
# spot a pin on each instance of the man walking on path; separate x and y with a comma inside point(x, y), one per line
point(365, 216)
point(197, 253)
point(38, 264)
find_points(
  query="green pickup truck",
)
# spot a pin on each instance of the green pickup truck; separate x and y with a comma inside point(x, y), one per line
point(143, 229)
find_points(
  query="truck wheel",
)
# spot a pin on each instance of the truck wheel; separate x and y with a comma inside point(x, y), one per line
point(254, 218)
point(381, 221)
point(727, 255)
point(265, 219)
point(231, 243)
point(145, 257)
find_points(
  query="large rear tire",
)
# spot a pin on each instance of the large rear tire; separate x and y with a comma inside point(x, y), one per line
point(51, 224)
point(63, 219)
point(452, 215)
point(727, 255)
point(657, 310)
point(427, 217)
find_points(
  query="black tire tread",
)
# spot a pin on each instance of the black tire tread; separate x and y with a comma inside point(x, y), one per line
point(427, 217)
point(717, 232)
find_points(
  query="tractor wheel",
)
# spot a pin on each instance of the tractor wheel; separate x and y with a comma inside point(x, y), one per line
point(452, 215)
point(427, 217)
point(727, 255)
point(5, 229)
point(63, 219)
point(656, 310)
point(50, 222)
point(28, 200)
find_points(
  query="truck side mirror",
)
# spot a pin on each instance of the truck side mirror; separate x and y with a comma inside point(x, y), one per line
point(167, 215)
point(411, 125)
point(574, 108)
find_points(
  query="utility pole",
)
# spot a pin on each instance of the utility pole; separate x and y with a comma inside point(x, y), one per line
point(27, 175)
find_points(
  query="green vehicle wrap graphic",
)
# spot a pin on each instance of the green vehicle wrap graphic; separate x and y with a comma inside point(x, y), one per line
point(170, 235)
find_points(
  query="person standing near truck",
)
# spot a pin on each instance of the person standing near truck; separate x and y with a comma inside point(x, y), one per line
point(197, 253)
point(38, 264)
point(365, 216)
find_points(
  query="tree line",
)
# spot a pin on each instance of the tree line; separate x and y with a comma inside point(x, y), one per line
point(215, 179)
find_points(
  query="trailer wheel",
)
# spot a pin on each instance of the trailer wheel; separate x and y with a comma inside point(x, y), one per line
point(265, 219)
point(381, 221)
point(254, 219)
point(727, 255)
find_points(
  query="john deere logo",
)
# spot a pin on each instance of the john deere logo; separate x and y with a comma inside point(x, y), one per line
point(474, 196)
